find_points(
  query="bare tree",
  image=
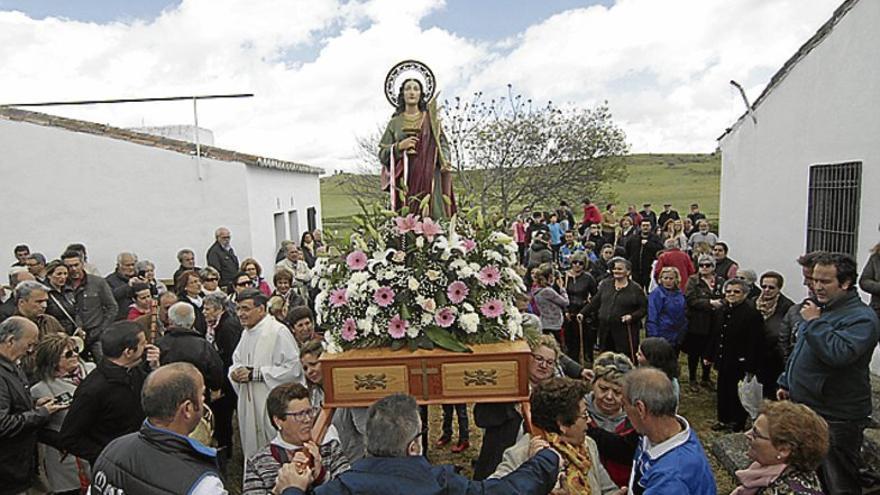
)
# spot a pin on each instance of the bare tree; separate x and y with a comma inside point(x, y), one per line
point(511, 154)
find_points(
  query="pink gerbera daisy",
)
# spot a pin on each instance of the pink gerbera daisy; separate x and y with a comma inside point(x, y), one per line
point(356, 260)
point(445, 317)
point(349, 330)
point(384, 296)
point(397, 327)
point(457, 291)
point(338, 298)
point(468, 245)
point(489, 275)
point(492, 308)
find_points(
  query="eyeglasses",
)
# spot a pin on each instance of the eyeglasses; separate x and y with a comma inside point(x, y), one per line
point(69, 353)
point(577, 262)
point(243, 284)
point(303, 416)
point(542, 361)
point(733, 291)
point(752, 432)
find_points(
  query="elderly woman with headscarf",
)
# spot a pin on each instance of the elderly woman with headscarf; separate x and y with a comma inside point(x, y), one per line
point(609, 427)
point(737, 336)
point(560, 418)
point(786, 444)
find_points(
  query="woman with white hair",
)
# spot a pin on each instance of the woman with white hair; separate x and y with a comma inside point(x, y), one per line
point(737, 336)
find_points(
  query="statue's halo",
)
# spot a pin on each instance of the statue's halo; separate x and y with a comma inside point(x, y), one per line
point(409, 69)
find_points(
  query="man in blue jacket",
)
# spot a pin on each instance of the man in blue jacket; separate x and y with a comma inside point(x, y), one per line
point(828, 368)
point(395, 464)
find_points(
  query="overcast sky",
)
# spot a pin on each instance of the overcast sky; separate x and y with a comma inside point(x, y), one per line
point(317, 66)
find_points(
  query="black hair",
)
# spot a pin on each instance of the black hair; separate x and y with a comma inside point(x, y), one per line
point(847, 269)
point(297, 313)
point(119, 336)
point(401, 104)
point(21, 247)
point(71, 253)
point(254, 295)
point(661, 355)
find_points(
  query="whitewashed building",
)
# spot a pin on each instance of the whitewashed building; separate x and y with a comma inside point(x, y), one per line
point(805, 174)
point(64, 180)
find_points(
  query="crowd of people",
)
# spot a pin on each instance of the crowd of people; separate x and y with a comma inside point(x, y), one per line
point(102, 379)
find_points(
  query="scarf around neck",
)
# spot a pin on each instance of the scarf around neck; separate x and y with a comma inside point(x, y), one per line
point(767, 308)
point(755, 477)
point(577, 463)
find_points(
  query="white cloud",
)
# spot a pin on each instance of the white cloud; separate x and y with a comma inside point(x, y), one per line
point(664, 66)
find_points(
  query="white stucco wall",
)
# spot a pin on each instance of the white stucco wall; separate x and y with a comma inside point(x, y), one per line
point(273, 191)
point(59, 187)
point(824, 111)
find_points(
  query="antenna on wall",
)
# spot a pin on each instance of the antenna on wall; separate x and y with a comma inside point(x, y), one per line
point(194, 98)
point(742, 93)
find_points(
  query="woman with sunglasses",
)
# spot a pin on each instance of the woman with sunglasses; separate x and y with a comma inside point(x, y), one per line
point(703, 297)
point(735, 350)
point(60, 371)
point(293, 416)
point(786, 445)
point(773, 305)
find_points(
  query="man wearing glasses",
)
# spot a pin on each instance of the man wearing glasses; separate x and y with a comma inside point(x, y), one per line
point(222, 257)
point(293, 416)
point(266, 356)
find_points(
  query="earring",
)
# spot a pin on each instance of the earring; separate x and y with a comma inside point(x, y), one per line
point(778, 456)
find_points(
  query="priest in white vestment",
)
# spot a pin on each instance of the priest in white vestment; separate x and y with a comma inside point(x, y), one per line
point(266, 356)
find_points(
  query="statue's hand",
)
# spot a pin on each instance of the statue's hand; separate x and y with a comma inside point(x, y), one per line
point(408, 143)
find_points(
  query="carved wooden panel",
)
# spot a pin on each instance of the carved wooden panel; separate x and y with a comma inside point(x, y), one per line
point(480, 378)
point(373, 382)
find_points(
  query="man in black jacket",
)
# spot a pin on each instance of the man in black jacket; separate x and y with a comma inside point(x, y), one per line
point(224, 332)
point(20, 417)
point(222, 257)
point(182, 343)
point(160, 458)
point(642, 249)
point(667, 214)
point(121, 280)
point(107, 405)
point(94, 304)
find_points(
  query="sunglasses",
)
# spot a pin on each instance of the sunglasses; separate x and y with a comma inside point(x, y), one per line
point(243, 284)
point(733, 291)
point(706, 265)
point(69, 353)
point(212, 279)
point(577, 262)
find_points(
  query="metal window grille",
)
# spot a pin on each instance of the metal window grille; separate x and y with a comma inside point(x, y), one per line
point(833, 207)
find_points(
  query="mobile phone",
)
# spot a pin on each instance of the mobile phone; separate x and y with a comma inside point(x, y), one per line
point(142, 274)
point(64, 399)
point(815, 301)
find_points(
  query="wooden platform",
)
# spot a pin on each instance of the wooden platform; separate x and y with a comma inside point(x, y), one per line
point(492, 373)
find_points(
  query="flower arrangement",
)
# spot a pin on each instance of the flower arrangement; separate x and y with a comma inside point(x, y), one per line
point(416, 282)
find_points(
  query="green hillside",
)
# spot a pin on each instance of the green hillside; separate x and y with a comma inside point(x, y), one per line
point(677, 178)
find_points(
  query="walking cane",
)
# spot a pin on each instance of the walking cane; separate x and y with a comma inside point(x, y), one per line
point(580, 320)
point(629, 339)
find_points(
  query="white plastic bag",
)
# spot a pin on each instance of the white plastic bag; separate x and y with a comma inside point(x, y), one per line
point(751, 394)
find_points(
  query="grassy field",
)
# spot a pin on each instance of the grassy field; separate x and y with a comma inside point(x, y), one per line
point(680, 179)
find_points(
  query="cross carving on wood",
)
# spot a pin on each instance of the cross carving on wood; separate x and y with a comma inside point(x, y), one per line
point(424, 370)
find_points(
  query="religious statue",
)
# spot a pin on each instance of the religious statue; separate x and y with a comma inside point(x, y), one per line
point(413, 151)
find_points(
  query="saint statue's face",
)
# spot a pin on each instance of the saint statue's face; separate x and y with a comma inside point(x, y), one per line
point(412, 92)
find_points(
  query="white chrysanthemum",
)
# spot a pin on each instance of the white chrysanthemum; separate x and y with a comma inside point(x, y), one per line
point(365, 325)
point(514, 328)
point(372, 285)
point(372, 310)
point(475, 267)
point(457, 264)
point(493, 255)
point(358, 278)
point(427, 318)
point(468, 307)
point(465, 272)
point(433, 275)
point(420, 242)
point(441, 243)
point(469, 322)
point(413, 284)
